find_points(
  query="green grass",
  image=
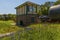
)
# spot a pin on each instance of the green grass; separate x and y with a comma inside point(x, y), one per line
point(6, 26)
point(46, 31)
point(42, 31)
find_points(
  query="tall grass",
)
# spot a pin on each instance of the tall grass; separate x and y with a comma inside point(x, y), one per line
point(44, 31)
point(6, 26)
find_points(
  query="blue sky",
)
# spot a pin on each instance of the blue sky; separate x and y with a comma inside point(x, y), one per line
point(8, 6)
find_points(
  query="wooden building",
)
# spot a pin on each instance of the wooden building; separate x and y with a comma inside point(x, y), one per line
point(27, 13)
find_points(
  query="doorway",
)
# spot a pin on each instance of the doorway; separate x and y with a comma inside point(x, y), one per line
point(21, 23)
point(32, 19)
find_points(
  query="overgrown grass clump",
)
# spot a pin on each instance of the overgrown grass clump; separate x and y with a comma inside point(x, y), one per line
point(7, 26)
point(43, 31)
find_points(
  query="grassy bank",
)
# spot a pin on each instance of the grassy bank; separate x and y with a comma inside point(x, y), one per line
point(43, 31)
point(8, 26)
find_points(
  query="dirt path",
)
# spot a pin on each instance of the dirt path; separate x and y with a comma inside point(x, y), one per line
point(5, 35)
point(12, 33)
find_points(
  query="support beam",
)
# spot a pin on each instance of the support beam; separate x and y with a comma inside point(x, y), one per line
point(36, 8)
point(32, 9)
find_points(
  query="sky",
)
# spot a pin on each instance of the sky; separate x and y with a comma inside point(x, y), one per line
point(8, 6)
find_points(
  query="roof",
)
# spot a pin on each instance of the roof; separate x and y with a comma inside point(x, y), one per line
point(27, 3)
point(56, 6)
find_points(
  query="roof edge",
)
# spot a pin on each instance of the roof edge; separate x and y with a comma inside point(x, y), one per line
point(26, 3)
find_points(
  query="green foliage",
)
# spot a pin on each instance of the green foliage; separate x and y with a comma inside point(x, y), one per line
point(6, 17)
point(6, 26)
point(45, 7)
point(57, 2)
point(44, 10)
point(42, 31)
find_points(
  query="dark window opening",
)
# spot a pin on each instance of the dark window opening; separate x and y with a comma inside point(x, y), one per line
point(21, 23)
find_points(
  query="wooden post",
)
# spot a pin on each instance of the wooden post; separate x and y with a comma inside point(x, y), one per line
point(36, 8)
point(32, 9)
point(26, 12)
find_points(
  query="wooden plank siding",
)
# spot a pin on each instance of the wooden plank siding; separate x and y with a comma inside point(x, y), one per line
point(23, 13)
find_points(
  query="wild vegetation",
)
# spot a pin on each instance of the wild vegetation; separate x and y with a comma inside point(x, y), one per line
point(8, 26)
point(42, 31)
point(6, 17)
point(38, 32)
point(44, 8)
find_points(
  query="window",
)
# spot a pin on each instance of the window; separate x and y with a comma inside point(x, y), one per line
point(34, 9)
point(30, 8)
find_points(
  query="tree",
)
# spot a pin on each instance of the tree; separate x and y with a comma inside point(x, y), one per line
point(45, 7)
point(5, 17)
point(57, 2)
point(9, 16)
